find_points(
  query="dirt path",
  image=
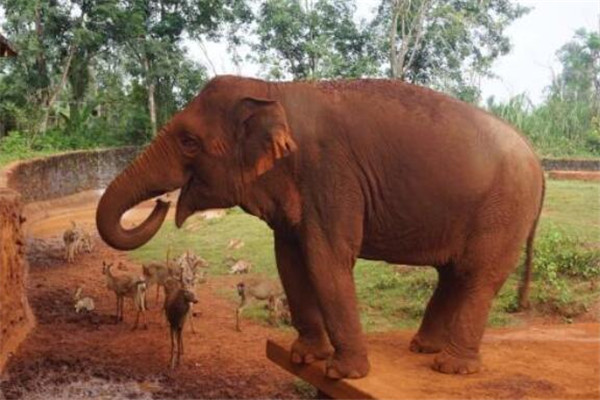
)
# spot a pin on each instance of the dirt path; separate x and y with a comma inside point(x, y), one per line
point(71, 355)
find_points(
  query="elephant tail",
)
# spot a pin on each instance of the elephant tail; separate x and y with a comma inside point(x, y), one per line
point(526, 279)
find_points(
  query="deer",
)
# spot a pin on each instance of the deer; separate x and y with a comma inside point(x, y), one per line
point(240, 267)
point(178, 301)
point(76, 240)
point(157, 272)
point(258, 290)
point(71, 238)
point(193, 273)
point(235, 244)
point(127, 286)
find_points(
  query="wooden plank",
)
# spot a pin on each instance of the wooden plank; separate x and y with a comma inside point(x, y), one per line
point(314, 374)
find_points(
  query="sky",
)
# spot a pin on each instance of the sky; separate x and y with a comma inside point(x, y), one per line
point(536, 37)
point(526, 69)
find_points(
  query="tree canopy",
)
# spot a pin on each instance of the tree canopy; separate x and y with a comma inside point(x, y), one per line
point(108, 72)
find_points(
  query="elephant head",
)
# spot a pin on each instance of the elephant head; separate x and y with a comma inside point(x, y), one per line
point(214, 149)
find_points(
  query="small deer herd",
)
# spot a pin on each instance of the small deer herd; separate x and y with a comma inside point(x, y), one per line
point(179, 279)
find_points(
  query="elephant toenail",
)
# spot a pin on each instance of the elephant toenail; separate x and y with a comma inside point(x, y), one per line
point(309, 359)
point(333, 373)
point(354, 375)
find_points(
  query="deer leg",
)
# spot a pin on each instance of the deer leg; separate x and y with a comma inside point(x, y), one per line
point(190, 317)
point(172, 349)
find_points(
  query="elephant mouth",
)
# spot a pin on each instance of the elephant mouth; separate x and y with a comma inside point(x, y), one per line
point(185, 206)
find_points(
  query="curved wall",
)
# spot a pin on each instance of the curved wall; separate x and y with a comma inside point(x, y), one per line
point(64, 174)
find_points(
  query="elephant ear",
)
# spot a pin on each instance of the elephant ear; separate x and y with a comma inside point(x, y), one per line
point(265, 134)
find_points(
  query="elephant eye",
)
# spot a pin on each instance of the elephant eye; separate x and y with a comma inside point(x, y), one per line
point(190, 143)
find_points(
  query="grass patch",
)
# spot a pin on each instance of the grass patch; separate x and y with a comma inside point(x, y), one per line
point(566, 267)
point(574, 207)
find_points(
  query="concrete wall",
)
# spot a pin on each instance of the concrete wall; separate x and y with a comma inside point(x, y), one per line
point(33, 181)
point(564, 164)
point(69, 173)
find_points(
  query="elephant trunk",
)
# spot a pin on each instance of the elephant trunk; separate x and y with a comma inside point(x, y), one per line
point(156, 171)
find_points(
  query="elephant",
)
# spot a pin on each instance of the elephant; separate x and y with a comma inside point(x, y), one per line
point(339, 170)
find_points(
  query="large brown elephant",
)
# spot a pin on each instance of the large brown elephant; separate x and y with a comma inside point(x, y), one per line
point(376, 169)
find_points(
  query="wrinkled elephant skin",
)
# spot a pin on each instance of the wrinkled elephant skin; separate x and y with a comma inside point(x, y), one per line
point(376, 169)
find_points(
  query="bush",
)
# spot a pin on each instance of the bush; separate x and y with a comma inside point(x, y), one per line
point(562, 268)
point(558, 255)
point(16, 143)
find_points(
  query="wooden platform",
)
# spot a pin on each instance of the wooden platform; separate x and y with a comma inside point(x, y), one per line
point(560, 361)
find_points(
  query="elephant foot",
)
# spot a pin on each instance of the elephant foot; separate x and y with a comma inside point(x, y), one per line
point(449, 364)
point(306, 351)
point(351, 367)
point(420, 345)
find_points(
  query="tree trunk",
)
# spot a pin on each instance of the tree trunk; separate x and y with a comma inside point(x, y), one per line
point(393, 31)
point(151, 90)
point(57, 91)
point(40, 58)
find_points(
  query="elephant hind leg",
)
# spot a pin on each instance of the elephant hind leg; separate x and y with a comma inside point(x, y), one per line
point(477, 279)
point(433, 332)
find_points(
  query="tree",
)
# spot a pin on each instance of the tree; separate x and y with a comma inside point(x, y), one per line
point(580, 76)
point(445, 44)
point(104, 70)
point(312, 40)
point(41, 31)
point(151, 31)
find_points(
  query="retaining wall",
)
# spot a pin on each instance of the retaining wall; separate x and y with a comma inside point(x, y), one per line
point(64, 174)
point(34, 181)
point(564, 164)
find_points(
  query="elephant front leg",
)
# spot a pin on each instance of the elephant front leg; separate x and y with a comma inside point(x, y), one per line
point(330, 266)
point(312, 343)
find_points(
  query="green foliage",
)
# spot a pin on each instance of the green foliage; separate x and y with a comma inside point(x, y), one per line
point(444, 44)
point(87, 70)
point(312, 40)
point(558, 255)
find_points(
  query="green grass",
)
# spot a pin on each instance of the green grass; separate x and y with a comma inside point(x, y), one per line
point(209, 238)
point(395, 298)
point(575, 207)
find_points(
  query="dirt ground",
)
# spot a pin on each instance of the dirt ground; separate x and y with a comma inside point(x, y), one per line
point(71, 355)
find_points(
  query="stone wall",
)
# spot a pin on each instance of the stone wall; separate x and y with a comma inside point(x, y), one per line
point(565, 164)
point(69, 173)
point(16, 318)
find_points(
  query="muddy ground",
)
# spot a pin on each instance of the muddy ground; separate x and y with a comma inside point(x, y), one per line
point(71, 355)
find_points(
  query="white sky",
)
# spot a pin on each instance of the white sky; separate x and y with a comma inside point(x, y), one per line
point(526, 69)
point(536, 37)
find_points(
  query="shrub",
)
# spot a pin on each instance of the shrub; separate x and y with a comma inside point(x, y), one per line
point(559, 255)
